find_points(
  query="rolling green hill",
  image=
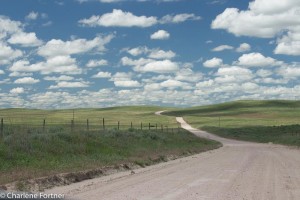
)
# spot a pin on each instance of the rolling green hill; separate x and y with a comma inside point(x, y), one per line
point(261, 121)
point(125, 115)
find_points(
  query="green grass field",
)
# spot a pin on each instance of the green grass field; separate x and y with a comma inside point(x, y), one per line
point(28, 151)
point(125, 115)
point(260, 121)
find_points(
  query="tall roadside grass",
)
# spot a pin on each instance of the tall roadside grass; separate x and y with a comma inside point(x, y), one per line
point(286, 135)
point(34, 153)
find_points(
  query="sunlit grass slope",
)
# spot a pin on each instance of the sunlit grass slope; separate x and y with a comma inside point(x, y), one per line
point(261, 121)
point(125, 115)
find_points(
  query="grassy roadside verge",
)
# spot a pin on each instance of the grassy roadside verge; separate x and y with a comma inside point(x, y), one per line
point(286, 135)
point(30, 155)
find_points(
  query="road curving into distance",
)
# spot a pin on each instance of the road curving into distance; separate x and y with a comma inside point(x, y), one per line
point(238, 170)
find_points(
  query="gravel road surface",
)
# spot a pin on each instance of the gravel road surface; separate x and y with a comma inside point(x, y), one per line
point(237, 171)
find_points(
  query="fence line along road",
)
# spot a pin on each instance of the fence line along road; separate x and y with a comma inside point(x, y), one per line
point(8, 126)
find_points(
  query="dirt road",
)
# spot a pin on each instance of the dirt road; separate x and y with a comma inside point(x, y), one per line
point(238, 170)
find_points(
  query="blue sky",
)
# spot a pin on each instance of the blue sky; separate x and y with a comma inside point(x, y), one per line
point(99, 53)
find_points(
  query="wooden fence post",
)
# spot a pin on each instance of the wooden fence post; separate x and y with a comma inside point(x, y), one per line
point(131, 125)
point(87, 125)
point(2, 126)
point(103, 124)
point(72, 125)
point(44, 125)
point(118, 125)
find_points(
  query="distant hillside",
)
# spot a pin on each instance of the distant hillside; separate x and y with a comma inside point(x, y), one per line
point(124, 114)
point(237, 107)
point(274, 121)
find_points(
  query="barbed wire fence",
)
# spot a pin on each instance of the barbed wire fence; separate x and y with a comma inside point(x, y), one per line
point(44, 122)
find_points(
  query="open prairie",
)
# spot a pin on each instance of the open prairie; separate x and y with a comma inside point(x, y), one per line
point(31, 149)
point(259, 121)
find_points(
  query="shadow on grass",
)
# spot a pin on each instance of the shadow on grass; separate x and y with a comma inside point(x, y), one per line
point(286, 135)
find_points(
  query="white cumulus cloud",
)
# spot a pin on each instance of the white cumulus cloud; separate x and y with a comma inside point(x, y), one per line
point(130, 62)
point(222, 48)
point(264, 73)
point(233, 74)
point(161, 54)
point(265, 19)
point(58, 64)
point(7, 54)
point(290, 47)
point(25, 39)
point(160, 35)
point(243, 47)
point(102, 75)
point(32, 15)
point(138, 51)
point(257, 60)
point(59, 78)
point(151, 53)
point(127, 83)
point(174, 84)
point(8, 26)
point(96, 63)
point(66, 84)
point(56, 47)
point(27, 80)
point(162, 66)
point(18, 90)
point(179, 18)
point(289, 71)
point(119, 18)
point(214, 62)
